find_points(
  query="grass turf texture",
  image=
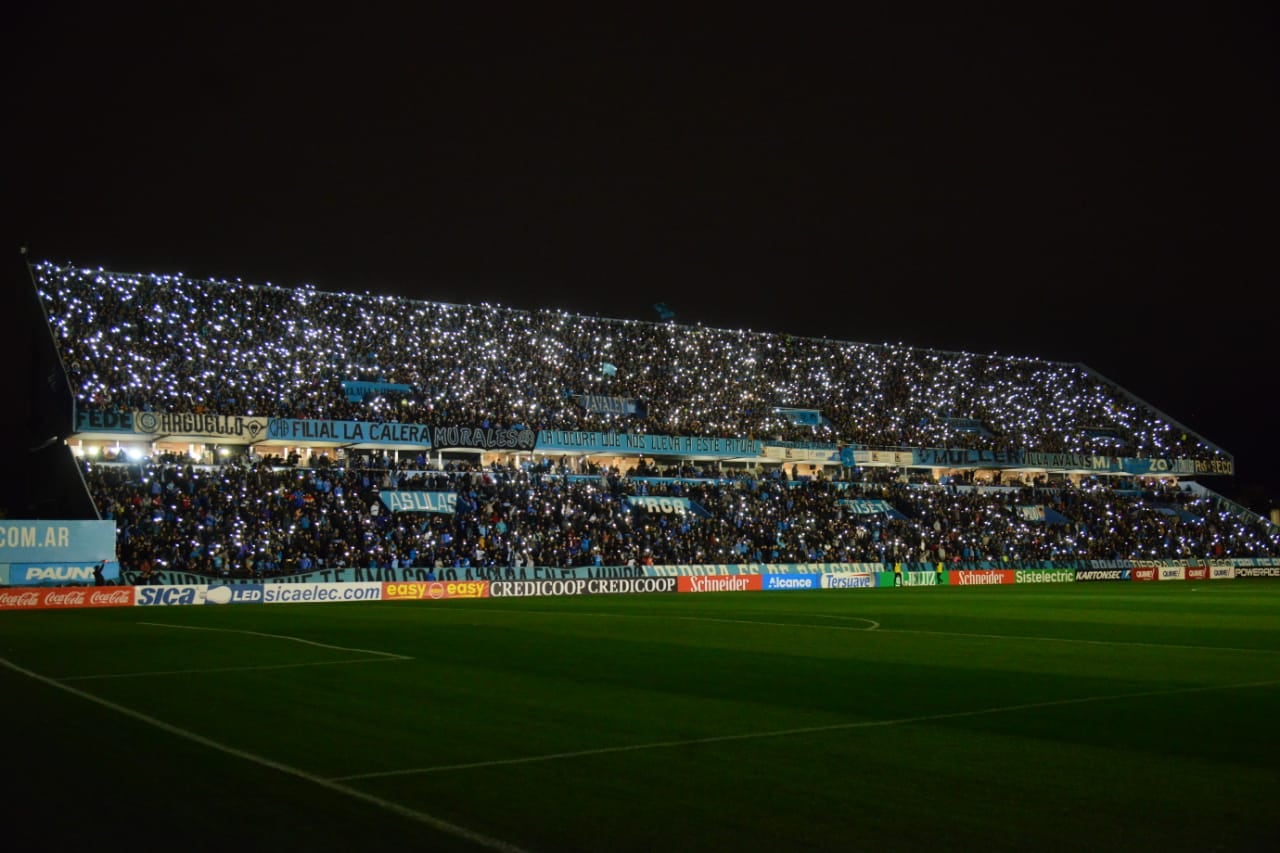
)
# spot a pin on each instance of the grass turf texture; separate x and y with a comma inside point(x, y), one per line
point(1105, 716)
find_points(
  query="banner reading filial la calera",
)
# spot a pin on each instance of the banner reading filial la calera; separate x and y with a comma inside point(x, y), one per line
point(52, 542)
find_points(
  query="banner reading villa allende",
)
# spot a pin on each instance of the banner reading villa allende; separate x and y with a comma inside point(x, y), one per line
point(647, 444)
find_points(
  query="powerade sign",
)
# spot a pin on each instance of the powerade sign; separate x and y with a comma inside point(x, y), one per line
point(1097, 575)
point(791, 582)
point(580, 586)
point(241, 593)
point(1258, 571)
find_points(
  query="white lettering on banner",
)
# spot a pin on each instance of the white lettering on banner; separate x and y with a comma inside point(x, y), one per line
point(70, 598)
point(321, 592)
point(848, 581)
point(169, 596)
point(25, 536)
point(60, 573)
point(26, 598)
point(117, 597)
point(710, 583)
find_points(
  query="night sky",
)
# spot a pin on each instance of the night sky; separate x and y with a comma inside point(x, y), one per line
point(1081, 187)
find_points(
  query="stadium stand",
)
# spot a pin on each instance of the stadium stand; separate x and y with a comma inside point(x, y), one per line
point(132, 344)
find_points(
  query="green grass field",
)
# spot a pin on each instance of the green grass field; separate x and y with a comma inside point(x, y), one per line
point(1087, 716)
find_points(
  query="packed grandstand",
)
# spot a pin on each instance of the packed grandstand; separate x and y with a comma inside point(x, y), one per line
point(234, 430)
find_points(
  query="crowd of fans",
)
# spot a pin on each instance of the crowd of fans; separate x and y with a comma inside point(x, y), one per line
point(258, 520)
point(174, 344)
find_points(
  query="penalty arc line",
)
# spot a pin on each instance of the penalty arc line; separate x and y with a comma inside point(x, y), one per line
point(335, 785)
point(833, 727)
point(879, 629)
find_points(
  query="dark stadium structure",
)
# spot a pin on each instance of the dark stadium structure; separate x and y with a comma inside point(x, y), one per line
point(246, 430)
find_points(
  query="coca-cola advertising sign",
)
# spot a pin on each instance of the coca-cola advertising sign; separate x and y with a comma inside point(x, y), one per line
point(63, 597)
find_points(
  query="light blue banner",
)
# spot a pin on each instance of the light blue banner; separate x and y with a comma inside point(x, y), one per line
point(357, 391)
point(405, 501)
point(49, 542)
point(870, 507)
point(700, 569)
point(102, 420)
point(609, 405)
point(365, 575)
point(349, 432)
point(668, 504)
point(646, 443)
point(60, 574)
point(801, 417)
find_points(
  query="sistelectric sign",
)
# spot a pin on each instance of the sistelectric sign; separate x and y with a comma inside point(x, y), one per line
point(580, 586)
point(1044, 576)
point(791, 582)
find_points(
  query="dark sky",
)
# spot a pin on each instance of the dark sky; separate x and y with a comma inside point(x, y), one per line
point(1077, 186)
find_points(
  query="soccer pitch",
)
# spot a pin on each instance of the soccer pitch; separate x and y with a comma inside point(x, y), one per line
point(1095, 716)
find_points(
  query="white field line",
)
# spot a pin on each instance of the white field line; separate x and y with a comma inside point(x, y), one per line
point(275, 637)
point(834, 727)
point(214, 669)
point(436, 823)
point(381, 657)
